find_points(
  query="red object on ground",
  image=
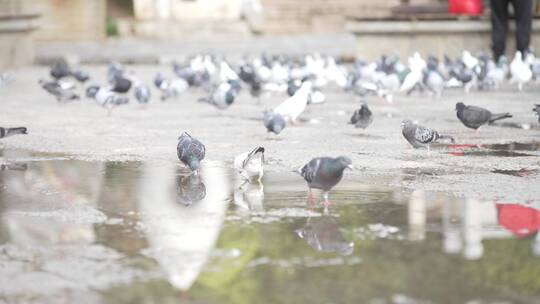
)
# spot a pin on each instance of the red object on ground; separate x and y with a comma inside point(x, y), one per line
point(466, 7)
point(520, 220)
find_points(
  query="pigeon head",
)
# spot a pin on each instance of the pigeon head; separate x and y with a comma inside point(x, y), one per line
point(91, 91)
point(460, 106)
point(194, 163)
point(344, 162)
point(405, 123)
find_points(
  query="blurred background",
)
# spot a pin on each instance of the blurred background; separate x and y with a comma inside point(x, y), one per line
point(30, 28)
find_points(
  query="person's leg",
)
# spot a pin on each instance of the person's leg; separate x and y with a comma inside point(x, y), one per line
point(523, 14)
point(499, 26)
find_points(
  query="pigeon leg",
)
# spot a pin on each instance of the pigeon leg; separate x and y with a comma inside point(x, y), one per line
point(326, 202)
point(311, 199)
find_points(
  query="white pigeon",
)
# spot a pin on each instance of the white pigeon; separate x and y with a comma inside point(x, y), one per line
point(250, 164)
point(521, 72)
point(226, 72)
point(417, 65)
point(295, 105)
point(469, 60)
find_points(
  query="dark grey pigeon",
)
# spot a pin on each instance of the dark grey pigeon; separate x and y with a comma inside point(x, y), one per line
point(324, 173)
point(273, 122)
point(56, 89)
point(5, 132)
point(190, 190)
point(60, 70)
point(419, 136)
point(537, 110)
point(323, 234)
point(190, 151)
point(362, 117)
point(473, 117)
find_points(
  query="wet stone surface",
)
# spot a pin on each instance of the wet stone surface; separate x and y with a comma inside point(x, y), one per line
point(127, 232)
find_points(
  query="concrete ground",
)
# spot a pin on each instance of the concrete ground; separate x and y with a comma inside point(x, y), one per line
point(381, 155)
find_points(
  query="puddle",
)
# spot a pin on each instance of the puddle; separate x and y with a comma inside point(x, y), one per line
point(515, 146)
point(127, 232)
point(496, 150)
point(520, 173)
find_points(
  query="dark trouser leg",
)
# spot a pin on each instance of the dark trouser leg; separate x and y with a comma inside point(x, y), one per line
point(499, 26)
point(523, 13)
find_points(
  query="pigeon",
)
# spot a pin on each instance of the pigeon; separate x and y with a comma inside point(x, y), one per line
point(190, 190)
point(520, 70)
point(106, 98)
point(5, 79)
point(61, 93)
point(293, 106)
point(60, 70)
point(323, 234)
point(362, 117)
point(293, 85)
point(5, 132)
point(221, 97)
point(80, 75)
point(473, 117)
point(120, 84)
point(273, 122)
point(250, 164)
point(324, 173)
point(420, 136)
point(142, 93)
point(190, 151)
point(537, 110)
point(170, 88)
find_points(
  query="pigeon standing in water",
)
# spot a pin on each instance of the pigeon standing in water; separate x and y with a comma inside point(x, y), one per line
point(190, 151)
point(324, 173)
point(273, 122)
point(5, 132)
point(250, 164)
point(419, 136)
point(362, 117)
point(473, 117)
point(190, 190)
point(62, 94)
point(537, 110)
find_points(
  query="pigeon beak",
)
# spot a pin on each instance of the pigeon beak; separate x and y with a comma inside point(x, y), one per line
point(350, 167)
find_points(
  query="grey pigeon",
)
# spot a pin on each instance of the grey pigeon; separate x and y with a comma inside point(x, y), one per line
point(60, 70)
point(5, 79)
point(323, 234)
point(80, 75)
point(106, 98)
point(142, 93)
point(274, 122)
point(190, 151)
point(473, 117)
point(420, 136)
point(222, 96)
point(56, 89)
point(324, 173)
point(362, 117)
point(537, 110)
point(5, 132)
point(190, 190)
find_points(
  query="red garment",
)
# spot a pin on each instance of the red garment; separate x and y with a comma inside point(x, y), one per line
point(466, 7)
point(520, 220)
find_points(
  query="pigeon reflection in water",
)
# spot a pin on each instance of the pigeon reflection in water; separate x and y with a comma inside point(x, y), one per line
point(323, 234)
point(249, 197)
point(190, 189)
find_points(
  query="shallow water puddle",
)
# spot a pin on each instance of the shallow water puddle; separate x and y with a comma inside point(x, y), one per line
point(148, 232)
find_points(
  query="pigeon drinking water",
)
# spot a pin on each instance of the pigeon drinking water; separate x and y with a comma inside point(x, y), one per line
point(362, 117)
point(5, 132)
point(420, 136)
point(190, 151)
point(324, 173)
point(473, 117)
point(250, 164)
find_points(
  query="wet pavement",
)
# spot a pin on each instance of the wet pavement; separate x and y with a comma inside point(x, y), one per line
point(147, 232)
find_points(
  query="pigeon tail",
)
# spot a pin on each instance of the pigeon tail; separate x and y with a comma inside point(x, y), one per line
point(451, 138)
point(495, 117)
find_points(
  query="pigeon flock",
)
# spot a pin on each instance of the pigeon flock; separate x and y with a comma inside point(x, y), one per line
point(302, 79)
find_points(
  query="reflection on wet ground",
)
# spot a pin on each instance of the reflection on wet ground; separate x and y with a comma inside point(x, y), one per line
point(514, 149)
point(75, 231)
